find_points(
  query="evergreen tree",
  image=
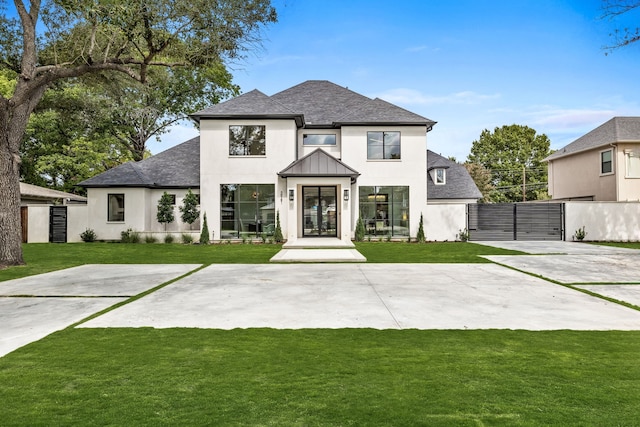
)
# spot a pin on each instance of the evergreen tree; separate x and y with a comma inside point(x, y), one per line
point(204, 234)
point(278, 233)
point(165, 210)
point(189, 208)
point(360, 231)
point(420, 237)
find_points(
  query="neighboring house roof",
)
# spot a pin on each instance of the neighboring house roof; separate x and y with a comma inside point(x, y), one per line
point(34, 192)
point(318, 163)
point(458, 182)
point(177, 167)
point(316, 103)
point(618, 129)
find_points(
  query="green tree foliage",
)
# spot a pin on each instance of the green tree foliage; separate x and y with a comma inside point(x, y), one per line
point(68, 138)
point(165, 210)
point(513, 154)
point(482, 178)
point(204, 234)
point(60, 40)
point(189, 208)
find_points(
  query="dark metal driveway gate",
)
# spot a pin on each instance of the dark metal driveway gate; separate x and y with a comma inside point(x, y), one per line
point(515, 221)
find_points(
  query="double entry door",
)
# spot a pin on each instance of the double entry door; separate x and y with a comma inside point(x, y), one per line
point(319, 214)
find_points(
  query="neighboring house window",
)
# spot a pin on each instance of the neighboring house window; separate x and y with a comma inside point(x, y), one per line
point(440, 176)
point(319, 139)
point(632, 159)
point(385, 210)
point(247, 210)
point(383, 145)
point(116, 207)
point(247, 140)
point(606, 162)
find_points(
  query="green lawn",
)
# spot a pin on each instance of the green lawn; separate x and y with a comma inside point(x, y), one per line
point(630, 245)
point(323, 378)
point(44, 257)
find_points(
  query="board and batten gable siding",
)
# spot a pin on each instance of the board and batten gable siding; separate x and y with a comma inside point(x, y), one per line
point(218, 167)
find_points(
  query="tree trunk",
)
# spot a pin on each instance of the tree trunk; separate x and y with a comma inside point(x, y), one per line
point(10, 227)
point(13, 124)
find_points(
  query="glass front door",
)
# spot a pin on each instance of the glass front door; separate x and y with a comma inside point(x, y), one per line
point(319, 214)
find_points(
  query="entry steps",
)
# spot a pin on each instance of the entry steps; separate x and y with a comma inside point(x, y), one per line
point(318, 249)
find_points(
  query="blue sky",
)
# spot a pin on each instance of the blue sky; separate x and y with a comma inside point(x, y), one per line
point(469, 65)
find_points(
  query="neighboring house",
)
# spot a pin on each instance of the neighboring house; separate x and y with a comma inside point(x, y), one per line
point(603, 165)
point(318, 154)
point(34, 195)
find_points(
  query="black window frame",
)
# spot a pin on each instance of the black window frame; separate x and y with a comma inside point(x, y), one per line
point(111, 216)
point(244, 142)
point(388, 152)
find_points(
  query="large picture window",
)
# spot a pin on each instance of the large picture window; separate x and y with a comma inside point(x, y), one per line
point(115, 208)
point(383, 145)
point(247, 210)
point(385, 210)
point(606, 162)
point(247, 141)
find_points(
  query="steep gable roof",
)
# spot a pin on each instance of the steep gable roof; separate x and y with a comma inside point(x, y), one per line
point(458, 182)
point(315, 103)
point(318, 163)
point(618, 129)
point(177, 167)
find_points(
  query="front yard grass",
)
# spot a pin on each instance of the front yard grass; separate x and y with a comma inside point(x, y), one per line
point(45, 257)
point(266, 377)
point(630, 245)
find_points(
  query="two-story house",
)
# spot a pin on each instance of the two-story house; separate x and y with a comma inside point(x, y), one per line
point(318, 155)
point(602, 165)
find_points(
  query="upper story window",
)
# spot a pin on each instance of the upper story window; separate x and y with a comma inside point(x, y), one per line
point(441, 177)
point(247, 140)
point(319, 139)
point(383, 145)
point(606, 162)
point(115, 207)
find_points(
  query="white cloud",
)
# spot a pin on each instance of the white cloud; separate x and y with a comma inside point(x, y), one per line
point(414, 97)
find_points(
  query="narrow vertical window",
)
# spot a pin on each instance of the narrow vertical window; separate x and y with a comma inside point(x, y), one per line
point(440, 176)
point(115, 208)
point(606, 162)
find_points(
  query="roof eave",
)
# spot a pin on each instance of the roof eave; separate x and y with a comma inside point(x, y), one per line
point(299, 118)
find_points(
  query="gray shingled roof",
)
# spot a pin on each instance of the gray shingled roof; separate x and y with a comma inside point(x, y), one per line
point(458, 182)
point(321, 103)
point(318, 163)
point(177, 167)
point(31, 191)
point(618, 129)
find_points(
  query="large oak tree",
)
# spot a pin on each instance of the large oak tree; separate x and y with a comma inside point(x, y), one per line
point(513, 154)
point(64, 39)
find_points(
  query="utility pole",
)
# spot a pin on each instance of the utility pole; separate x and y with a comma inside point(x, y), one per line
point(524, 183)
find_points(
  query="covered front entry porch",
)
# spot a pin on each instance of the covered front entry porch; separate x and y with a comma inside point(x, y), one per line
point(319, 188)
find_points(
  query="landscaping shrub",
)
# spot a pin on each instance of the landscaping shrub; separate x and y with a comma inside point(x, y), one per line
point(150, 239)
point(187, 239)
point(88, 235)
point(129, 236)
point(168, 238)
point(204, 234)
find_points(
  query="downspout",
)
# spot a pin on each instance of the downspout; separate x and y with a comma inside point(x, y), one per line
point(614, 159)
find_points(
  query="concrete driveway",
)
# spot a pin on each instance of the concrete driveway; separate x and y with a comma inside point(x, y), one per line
point(33, 307)
point(382, 296)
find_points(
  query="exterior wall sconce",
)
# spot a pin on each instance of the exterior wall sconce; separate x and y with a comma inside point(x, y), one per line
point(346, 195)
point(291, 195)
